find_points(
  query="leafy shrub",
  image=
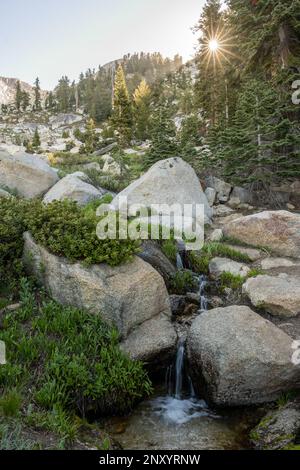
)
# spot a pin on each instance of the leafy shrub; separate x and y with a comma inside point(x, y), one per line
point(10, 403)
point(67, 230)
point(77, 364)
point(232, 281)
point(182, 282)
point(169, 248)
point(12, 226)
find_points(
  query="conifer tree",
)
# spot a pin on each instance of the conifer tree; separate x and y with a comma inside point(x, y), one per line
point(142, 100)
point(25, 101)
point(163, 135)
point(122, 110)
point(37, 95)
point(36, 142)
point(18, 99)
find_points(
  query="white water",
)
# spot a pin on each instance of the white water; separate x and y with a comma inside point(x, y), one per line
point(203, 298)
point(179, 262)
point(179, 406)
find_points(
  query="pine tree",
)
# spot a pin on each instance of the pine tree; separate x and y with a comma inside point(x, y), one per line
point(18, 99)
point(36, 142)
point(210, 83)
point(142, 100)
point(37, 95)
point(25, 101)
point(63, 95)
point(122, 110)
point(163, 135)
point(90, 138)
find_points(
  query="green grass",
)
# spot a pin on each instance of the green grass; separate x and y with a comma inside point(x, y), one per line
point(231, 281)
point(200, 260)
point(182, 282)
point(62, 361)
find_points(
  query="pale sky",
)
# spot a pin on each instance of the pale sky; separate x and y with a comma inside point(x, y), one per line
point(51, 38)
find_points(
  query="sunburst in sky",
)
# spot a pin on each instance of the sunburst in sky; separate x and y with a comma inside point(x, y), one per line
point(217, 48)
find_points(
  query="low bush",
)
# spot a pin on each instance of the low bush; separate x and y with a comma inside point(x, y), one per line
point(66, 360)
point(67, 230)
point(182, 282)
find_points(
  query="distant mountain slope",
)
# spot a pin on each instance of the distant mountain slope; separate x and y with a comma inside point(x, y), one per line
point(8, 90)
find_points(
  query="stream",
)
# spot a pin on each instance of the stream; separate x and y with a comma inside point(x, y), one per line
point(175, 418)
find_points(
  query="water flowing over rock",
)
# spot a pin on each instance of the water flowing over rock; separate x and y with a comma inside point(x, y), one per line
point(170, 181)
point(26, 174)
point(278, 230)
point(239, 358)
point(73, 187)
point(278, 295)
point(128, 296)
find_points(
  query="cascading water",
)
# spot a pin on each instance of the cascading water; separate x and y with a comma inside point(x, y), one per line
point(180, 405)
point(179, 262)
point(203, 299)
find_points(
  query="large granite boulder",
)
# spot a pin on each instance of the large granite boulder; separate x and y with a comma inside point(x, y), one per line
point(26, 174)
point(238, 358)
point(171, 181)
point(74, 187)
point(278, 429)
point(218, 266)
point(278, 230)
point(222, 188)
point(278, 295)
point(132, 296)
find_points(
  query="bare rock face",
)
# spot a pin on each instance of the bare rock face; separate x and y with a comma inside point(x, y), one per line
point(238, 358)
point(132, 296)
point(26, 174)
point(171, 181)
point(278, 230)
point(278, 295)
point(218, 266)
point(222, 188)
point(75, 188)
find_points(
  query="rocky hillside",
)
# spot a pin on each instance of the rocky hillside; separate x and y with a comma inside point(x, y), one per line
point(8, 90)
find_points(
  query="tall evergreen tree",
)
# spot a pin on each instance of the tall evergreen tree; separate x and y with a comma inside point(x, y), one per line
point(122, 109)
point(163, 135)
point(37, 95)
point(25, 101)
point(18, 99)
point(142, 101)
point(36, 142)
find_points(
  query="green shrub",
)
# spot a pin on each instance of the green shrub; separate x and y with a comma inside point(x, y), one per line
point(76, 365)
point(67, 230)
point(232, 281)
point(10, 403)
point(182, 282)
point(169, 248)
point(12, 226)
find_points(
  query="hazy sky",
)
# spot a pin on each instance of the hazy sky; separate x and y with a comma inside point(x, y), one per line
point(51, 38)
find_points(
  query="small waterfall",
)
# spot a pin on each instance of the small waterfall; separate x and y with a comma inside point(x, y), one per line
point(179, 262)
point(180, 405)
point(179, 369)
point(203, 298)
